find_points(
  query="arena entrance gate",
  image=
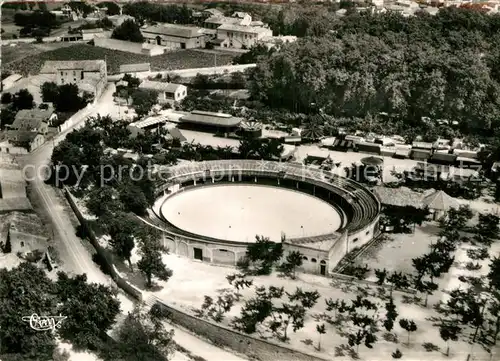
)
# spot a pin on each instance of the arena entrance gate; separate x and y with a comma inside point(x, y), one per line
point(198, 253)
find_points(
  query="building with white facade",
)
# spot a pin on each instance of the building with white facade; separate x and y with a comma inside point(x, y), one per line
point(167, 92)
point(241, 37)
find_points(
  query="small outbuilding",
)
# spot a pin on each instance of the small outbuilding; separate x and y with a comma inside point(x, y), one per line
point(439, 203)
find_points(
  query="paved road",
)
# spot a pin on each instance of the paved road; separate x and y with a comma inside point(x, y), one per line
point(75, 258)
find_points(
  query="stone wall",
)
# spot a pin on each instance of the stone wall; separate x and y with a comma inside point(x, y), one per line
point(105, 255)
point(244, 344)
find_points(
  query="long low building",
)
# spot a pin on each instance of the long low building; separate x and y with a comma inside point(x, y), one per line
point(210, 121)
point(175, 36)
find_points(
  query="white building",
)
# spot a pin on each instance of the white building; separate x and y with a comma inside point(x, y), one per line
point(167, 92)
point(241, 37)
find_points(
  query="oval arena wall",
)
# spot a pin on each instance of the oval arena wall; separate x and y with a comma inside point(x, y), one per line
point(358, 206)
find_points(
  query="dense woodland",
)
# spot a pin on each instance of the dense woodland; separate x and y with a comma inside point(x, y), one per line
point(441, 67)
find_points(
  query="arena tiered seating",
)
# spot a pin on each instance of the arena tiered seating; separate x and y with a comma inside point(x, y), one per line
point(364, 204)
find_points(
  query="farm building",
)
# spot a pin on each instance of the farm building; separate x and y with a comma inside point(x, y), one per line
point(88, 75)
point(175, 36)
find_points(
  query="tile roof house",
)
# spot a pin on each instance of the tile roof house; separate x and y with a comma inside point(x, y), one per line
point(167, 92)
point(86, 74)
point(28, 130)
point(174, 36)
point(34, 120)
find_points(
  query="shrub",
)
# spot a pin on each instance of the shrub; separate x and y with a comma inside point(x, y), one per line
point(397, 354)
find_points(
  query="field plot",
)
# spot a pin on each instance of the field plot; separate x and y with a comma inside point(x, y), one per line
point(181, 59)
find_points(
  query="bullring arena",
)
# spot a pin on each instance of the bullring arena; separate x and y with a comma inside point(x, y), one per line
point(210, 211)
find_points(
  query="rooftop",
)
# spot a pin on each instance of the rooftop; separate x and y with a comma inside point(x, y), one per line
point(148, 122)
point(29, 119)
point(243, 28)
point(92, 31)
point(15, 204)
point(209, 118)
point(398, 197)
point(176, 134)
point(160, 86)
point(134, 68)
point(52, 66)
point(174, 30)
point(222, 20)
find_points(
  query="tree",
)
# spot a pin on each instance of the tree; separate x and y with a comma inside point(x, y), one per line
point(321, 330)
point(25, 290)
point(90, 309)
point(6, 98)
point(261, 256)
point(134, 199)
point(391, 315)
point(129, 30)
point(409, 326)
point(215, 309)
point(7, 116)
point(257, 309)
point(143, 100)
point(427, 287)
point(142, 337)
point(68, 98)
point(292, 261)
point(488, 226)
point(121, 228)
point(23, 100)
point(151, 263)
point(381, 275)
point(494, 274)
point(112, 7)
point(50, 92)
point(449, 331)
point(103, 200)
point(257, 148)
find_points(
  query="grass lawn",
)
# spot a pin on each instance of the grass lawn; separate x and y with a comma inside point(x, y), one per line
point(181, 59)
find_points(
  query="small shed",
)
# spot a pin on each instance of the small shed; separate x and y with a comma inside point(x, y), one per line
point(439, 203)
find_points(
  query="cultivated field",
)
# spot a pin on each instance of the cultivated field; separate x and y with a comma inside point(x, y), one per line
point(181, 59)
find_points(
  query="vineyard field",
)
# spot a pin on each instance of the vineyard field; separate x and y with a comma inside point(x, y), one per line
point(180, 59)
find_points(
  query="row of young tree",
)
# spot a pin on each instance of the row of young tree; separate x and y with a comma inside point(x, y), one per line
point(90, 310)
